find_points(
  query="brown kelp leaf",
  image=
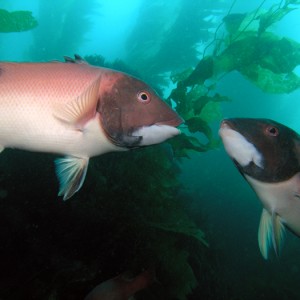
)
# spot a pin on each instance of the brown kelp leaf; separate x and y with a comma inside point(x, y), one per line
point(16, 21)
point(200, 103)
point(179, 96)
point(175, 77)
point(271, 82)
point(233, 22)
point(196, 124)
point(185, 227)
point(182, 144)
point(272, 16)
point(204, 70)
point(282, 55)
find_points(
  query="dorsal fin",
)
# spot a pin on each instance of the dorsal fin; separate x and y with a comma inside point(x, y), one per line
point(76, 60)
point(69, 59)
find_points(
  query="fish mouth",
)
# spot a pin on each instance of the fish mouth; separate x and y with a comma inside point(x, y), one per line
point(155, 134)
point(226, 124)
point(174, 122)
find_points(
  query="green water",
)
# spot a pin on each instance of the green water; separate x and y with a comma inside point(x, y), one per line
point(181, 207)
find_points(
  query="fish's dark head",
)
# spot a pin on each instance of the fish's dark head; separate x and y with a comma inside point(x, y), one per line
point(132, 114)
point(261, 148)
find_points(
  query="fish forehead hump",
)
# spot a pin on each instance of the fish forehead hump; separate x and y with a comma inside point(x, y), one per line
point(127, 103)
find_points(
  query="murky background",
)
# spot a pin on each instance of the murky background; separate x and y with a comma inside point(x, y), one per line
point(149, 208)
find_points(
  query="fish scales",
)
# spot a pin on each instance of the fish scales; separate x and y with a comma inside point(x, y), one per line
point(28, 95)
point(79, 111)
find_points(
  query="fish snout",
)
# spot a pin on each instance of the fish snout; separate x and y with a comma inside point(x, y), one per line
point(226, 124)
point(224, 128)
point(174, 122)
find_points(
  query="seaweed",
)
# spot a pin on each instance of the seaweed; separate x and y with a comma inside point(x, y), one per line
point(266, 60)
point(130, 215)
point(275, 14)
point(16, 21)
point(155, 43)
point(233, 22)
point(199, 105)
point(260, 55)
point(62, 28)
point(151, 203)
point(131, 212)
point(249, 48)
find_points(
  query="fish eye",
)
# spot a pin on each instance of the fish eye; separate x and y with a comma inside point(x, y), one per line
point(272, 131)
point(144, 97)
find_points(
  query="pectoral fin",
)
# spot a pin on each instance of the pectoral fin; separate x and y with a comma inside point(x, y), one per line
point(71, 173)
point(271, 232)
point(1, 148)
point(278, 233)
point(80, 110)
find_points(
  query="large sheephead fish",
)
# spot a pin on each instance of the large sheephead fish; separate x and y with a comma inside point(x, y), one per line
point(267, 154)
point(79, 111)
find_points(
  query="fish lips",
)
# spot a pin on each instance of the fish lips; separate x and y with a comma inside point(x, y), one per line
point(158, 132)
point(226, 124)
point(148, 134)
point(174, 122)
point(155, 133)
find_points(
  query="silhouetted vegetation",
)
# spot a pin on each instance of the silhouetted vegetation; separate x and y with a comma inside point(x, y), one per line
point(132, 213)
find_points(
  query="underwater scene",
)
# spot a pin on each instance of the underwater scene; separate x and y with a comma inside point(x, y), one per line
point(149, 150)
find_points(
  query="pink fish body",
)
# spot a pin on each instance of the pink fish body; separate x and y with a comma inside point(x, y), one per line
point(79, 111)
point(121, 288)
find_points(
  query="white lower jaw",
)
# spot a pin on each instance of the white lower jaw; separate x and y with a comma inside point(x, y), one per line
point(155, 134)
point(239, 148)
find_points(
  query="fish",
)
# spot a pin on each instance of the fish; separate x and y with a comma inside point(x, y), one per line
point(121, 287)
point(78, 111)
point(267, 154)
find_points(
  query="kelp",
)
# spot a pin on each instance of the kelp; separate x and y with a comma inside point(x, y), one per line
point(62, 28)
point(16, 21)
point(233, 22)
point(271, 82)
point(152, 209)
point(199, 105)
point(130, 214)
point(261, 56)
point(266, 60)
point(182, 227)
point(181, 281)
point(155, 44)
point(184, 143)
point(117, 64)
point(275, 14)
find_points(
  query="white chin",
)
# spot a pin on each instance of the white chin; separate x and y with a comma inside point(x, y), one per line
point(155, 134)
point(239, 148)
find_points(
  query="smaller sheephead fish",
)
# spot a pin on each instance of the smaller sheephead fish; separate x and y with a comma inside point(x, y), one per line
point(267, 154)
point(79, 111)
point(120, 287)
